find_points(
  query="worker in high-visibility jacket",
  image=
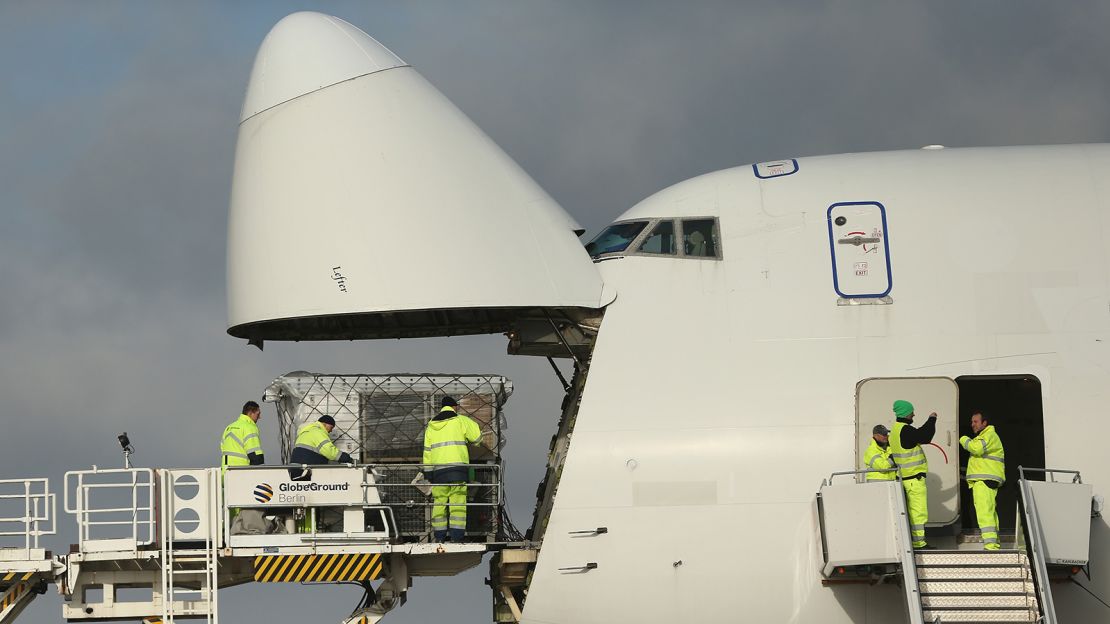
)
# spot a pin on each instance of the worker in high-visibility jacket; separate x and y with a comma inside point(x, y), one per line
point(986, 470)
point(913, 466)
point(445, 465)
point(877, 456)
point(313, 445)
point(240, 444)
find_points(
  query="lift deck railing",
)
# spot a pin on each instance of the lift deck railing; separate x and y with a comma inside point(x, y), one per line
point(120, 516)
point(406, 500)
point(34, 508)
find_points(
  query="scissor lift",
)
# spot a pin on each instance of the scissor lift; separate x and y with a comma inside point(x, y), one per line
point(167, 539)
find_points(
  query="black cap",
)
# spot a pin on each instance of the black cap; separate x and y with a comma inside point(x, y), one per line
point(880, 429)
point(327, 420)
point(448, 401)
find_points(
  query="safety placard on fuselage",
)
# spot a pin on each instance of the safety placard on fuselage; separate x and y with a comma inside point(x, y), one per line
point(775, 168)
point(860, 251)
point(273, 487)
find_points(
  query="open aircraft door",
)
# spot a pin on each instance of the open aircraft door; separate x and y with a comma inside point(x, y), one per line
point(366, 205)
point(874, 405)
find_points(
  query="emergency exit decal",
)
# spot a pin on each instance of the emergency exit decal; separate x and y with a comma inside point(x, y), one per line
point(860, 250)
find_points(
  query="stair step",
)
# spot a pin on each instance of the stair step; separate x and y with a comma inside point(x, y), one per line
point(992, 601)
point(971, 557)
point(937, 573)
point(1012, 616)
point(976, 587)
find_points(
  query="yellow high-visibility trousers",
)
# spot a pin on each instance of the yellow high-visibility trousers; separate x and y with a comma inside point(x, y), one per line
point(917, 503)
point(986, 513)
point(449, 511)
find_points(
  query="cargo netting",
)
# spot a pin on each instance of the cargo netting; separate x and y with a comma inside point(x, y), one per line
point(380, 420)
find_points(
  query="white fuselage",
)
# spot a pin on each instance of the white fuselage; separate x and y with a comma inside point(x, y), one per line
point(721, 392)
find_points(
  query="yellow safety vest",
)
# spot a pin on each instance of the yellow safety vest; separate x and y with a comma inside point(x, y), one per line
point(988, 459)
point(239, 440)
point(878, 458)
point(314, 437)
point(445, 439)
point(910, 461)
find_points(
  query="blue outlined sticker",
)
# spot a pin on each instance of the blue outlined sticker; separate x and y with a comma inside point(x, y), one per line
point(775, 168)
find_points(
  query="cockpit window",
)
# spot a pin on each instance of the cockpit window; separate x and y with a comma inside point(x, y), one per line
point(697, 238)
point(615, 238)
point(660, 240)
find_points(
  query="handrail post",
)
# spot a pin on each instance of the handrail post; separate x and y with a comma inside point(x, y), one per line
point(27, 518)
point(134, 510)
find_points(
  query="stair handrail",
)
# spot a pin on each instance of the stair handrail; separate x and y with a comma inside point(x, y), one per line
point(1035, 540)
point(909, 561)
point(907, 554)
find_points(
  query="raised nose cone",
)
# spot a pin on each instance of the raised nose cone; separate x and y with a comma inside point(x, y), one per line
point(306, 52)
point(365, 205)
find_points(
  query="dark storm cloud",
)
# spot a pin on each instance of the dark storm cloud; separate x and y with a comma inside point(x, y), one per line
point(117, 131)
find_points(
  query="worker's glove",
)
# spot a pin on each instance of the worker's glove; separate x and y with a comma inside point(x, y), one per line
point(344, 458)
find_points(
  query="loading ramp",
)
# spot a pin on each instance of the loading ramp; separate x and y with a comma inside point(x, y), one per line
point(864, 530)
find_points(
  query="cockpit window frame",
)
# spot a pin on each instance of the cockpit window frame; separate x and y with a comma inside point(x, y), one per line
point(633, 243)
point(679, 234)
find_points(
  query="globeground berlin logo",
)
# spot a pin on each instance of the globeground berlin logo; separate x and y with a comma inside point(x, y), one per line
point(263, 492)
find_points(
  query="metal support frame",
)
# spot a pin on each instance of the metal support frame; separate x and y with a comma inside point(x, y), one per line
point(562, 338)
point(15, 599)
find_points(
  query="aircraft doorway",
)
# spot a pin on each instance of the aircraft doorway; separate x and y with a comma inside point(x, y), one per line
point(1013, 405)
point(874, 399)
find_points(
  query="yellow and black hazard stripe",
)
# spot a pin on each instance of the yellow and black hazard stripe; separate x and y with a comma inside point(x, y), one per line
point(10, 576)
point(152, 620)
point(319, 568)
point(13, 595)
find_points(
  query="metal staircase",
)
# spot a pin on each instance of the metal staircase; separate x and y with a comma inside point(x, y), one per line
point(963, 586)
point(865, 535)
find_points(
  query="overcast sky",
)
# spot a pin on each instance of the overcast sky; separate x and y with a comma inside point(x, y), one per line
point(118, 125)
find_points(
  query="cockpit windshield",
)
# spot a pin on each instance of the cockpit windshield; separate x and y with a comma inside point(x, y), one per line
point(615, 238)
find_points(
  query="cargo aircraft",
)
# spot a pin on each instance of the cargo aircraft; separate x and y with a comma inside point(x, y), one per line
point(734, 337)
